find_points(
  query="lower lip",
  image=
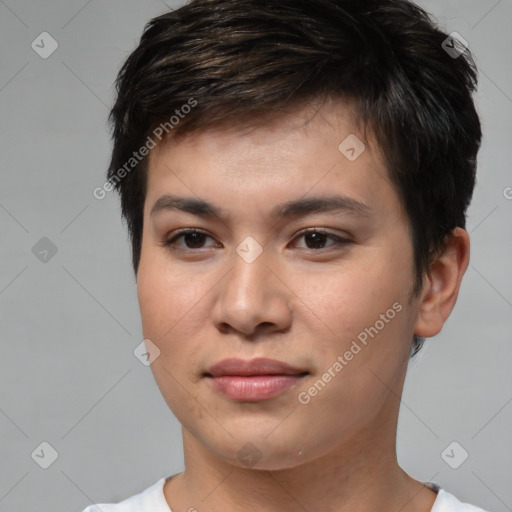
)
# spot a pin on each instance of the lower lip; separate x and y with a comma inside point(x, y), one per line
point(255, 387)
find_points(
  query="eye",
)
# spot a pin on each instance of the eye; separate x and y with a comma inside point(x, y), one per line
point(316, 238)
point(193, 238)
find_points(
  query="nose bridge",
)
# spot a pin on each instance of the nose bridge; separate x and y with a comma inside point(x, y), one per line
point(250, 275)
point(251, 295)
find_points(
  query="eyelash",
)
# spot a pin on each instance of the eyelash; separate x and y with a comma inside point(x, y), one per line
point(339, 241)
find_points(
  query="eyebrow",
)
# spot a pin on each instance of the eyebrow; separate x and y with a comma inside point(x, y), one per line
point(295, 208)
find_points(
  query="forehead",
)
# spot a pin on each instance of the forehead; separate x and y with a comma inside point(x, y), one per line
point(276, 158)
point(309, 121)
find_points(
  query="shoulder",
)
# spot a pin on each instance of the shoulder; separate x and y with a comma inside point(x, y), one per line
point(151, 499)
point(447, 502)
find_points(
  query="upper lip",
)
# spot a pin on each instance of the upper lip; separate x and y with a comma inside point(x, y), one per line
point(258, 366)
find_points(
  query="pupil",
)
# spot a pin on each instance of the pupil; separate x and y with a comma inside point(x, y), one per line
point(317, 239)
point(196, 238)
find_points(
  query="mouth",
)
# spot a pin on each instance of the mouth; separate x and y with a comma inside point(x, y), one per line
point(253, 380)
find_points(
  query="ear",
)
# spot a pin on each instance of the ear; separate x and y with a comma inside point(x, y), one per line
point(441, 285)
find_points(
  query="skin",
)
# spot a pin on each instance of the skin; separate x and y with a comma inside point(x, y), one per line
point(299, 303)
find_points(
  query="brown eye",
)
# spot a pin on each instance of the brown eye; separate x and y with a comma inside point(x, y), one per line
point(193, 239)
point(316, 238)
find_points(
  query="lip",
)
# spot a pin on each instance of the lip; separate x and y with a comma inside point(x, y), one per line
point(257, 366)
point(253, 380)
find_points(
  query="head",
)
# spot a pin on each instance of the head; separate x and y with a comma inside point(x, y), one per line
point(245, 104)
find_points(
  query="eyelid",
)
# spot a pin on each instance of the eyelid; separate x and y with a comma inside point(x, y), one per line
point(338, 239)
point(324, 231)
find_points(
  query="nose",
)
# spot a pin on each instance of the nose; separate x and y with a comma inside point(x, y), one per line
point(253, 299)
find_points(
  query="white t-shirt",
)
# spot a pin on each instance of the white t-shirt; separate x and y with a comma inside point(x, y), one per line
point(153, 500)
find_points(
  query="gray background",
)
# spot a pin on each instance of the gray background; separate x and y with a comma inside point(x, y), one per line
point(69, 325)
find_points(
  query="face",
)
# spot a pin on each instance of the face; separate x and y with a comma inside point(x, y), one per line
point(325, 290)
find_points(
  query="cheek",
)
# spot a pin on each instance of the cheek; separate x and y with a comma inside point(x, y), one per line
point(174, 307)
point(373, 351)
point(360, 313)
point(164, 296)
point(346, 300)
point(167, 304)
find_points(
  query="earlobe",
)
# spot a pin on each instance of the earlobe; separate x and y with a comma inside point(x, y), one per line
point(441, 284)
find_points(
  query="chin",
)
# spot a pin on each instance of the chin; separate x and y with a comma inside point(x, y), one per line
point(260, 452)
